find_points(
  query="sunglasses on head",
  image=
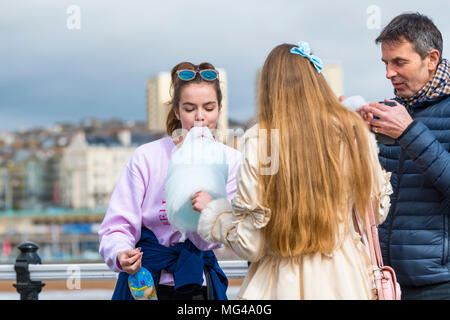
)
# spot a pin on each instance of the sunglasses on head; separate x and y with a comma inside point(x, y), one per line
point(206, 74)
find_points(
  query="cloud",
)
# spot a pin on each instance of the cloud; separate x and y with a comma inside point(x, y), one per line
point(101, 69)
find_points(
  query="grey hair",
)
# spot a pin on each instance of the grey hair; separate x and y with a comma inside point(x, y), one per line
point(417, 29)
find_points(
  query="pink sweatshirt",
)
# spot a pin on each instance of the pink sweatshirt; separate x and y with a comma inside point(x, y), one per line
point(138, 199)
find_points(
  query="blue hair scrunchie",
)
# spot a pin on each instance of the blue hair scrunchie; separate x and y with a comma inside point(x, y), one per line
point(304, 50)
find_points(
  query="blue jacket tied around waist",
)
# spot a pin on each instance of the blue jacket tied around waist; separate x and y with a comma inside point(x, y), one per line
point(415, 236)
point(184, 260)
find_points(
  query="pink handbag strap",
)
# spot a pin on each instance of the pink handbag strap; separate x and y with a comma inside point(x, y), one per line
point(370, 238)
point(357, 223)
point(382, 291)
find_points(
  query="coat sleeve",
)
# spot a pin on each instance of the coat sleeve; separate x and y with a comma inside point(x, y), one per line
point(238, 224)
point(428, 155)
point(381, 188)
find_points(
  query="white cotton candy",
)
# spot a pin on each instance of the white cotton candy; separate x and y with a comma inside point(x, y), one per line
point(354, 103)
point(199, 164)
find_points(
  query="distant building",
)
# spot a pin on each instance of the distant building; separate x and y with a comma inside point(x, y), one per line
point(16, 185)
point(5, 193)
point(334, 75)
point(158, 96)
point(222, 123)
point(331, 71)
point(91, 167)
point(67, 165)
point(36, 186)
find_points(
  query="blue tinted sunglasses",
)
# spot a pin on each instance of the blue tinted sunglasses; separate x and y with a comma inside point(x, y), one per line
point(206, 74)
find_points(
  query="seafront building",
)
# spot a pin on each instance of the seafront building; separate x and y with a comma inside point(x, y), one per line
point(334, 75)
point(55, 194)
point(91, 166)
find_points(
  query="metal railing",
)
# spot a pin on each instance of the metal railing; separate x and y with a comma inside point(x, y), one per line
point(28, 272)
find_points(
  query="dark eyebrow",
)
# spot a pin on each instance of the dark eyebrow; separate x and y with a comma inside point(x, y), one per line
point(189, 104)
point(400, 59)
point(209, 102)
point(396, 60)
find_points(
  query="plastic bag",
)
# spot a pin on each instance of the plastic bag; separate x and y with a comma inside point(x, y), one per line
point(141, 285)
point(199, 164)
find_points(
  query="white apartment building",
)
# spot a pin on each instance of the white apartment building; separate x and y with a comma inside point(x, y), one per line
point(90, 169)
point(334, 75)
point(158, 96)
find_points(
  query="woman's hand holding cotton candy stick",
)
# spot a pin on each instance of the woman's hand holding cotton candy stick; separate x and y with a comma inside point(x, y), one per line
point(200, 199)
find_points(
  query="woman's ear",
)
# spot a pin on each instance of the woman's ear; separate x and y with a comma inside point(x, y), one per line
point(177, 113)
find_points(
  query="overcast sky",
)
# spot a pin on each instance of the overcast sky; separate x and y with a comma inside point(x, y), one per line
point(50, 73)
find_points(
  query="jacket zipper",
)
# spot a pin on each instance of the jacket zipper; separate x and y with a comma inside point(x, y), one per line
point(394, 205)
point(446, 237)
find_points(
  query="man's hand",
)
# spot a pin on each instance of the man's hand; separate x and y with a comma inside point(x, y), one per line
point(200, 199)
point(367, 116)
point(392, 120)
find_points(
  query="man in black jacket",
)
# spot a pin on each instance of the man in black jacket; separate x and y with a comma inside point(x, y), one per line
point(415, 236)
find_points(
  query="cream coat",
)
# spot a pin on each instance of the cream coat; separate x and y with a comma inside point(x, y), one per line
point(344, 274)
